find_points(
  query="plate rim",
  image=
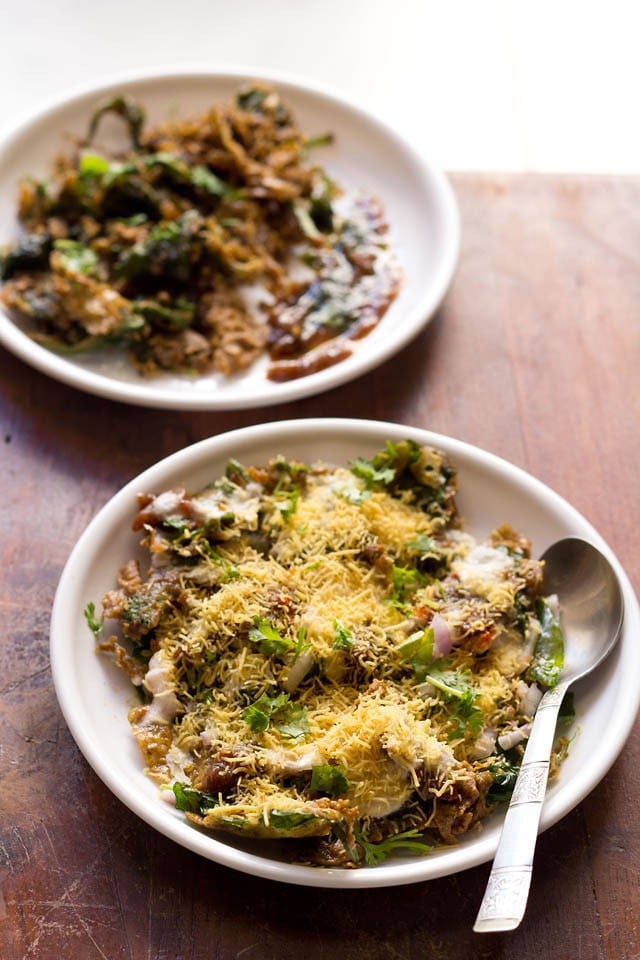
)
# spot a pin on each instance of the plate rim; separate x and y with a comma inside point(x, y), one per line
point(187, 458)
point(414, 320)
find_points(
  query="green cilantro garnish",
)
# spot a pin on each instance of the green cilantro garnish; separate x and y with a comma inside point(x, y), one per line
point(329, 779)
point(342, 637)
point(458, 692)
point(423, 544)
point(289, 506)
point(504, 775)
point(351, 494)
point(235, 471)
point(290, 719)
point(375, 853)
point(370, 473)
point(301, 643)
point(406, 469)
point(405, 580)
point(94, 624)
point(271, 643)
point(176, 523)
point(258, 715)
point(417, 651)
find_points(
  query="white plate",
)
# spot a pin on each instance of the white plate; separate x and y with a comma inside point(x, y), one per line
point(94, 695)
point(418, 201)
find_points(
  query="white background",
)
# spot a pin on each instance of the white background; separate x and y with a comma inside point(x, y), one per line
point(475, 84)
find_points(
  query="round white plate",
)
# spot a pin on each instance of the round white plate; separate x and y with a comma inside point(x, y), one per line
point(94, 695)
point(418, 200)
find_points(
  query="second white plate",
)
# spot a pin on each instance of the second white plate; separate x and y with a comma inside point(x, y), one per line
point(94, 696)
point(366, 154)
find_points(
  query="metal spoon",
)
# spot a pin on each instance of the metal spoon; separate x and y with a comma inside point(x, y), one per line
point(591, 611)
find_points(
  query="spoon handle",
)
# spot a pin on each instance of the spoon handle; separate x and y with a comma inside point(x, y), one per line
point(505, 898)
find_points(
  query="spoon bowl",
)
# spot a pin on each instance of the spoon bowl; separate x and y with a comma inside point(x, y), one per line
point(591, 612)
point(590, 603)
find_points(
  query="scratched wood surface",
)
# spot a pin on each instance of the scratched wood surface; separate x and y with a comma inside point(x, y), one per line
point(534, 356)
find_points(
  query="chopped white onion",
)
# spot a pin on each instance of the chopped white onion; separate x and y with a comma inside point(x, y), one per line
point(529, 696)
point(299, 669)
point(286, 763)
point(513, 737)
point(485, 744)
point(442, 637)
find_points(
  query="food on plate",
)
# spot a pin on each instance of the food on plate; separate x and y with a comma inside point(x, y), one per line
point(200, 245)
point(325, 656)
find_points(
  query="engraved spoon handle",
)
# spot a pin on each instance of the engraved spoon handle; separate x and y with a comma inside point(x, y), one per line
point(505, 898)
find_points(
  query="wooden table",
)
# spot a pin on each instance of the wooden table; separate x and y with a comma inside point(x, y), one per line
point(534, 356)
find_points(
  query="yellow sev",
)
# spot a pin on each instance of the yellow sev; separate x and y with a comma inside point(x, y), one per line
point(340, 630)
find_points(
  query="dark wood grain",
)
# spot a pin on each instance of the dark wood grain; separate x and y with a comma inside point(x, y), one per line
point(534, 356)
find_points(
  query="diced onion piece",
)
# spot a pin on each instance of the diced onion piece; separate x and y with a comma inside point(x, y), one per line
point(442, 637)
point(511, 739)
point(530, 696)
point(299, 669)
point(485, 744)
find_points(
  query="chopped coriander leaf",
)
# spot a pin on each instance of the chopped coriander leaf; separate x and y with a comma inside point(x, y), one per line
point(268, 639)
point(286, 474)
point(290, 719)
point(301, 643)
point(94, 624)
point(404, 468)
point(329, 779)
point(417, 651)
point(453, 683)
point(176, 523)
point(367, 471)
point(504, 775)
point(289, 506)
point(466, 717)
point(342, 637)
point(458, 692)
point(351, 494)
point(235, 471)
point(425, 545)
point(405, 581)
point(375, 853)
point(258, 715)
